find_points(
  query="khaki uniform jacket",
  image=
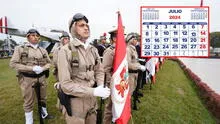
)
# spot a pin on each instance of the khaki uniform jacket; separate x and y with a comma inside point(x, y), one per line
point(31, 57)
point(55, 57)
point(80, 85)
point(38, 53)
point(55, 54)
point(133, 65)
point(132, 57)
point(108, 57)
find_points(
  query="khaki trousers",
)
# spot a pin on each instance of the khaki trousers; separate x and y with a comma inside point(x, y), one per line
point(91, 119)
point(132, 81)
point(107, 119)
point(28, 92)
point(83, 111)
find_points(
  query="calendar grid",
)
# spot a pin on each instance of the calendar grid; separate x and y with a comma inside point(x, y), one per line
point(175, 37)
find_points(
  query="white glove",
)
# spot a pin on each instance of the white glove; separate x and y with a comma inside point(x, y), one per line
point(56, 86)
point(100, 91)
point(142, 68)
point(37, 69)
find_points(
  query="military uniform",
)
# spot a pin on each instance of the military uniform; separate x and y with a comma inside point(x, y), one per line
point(64, 39)
point(108, 58)
point(133, 66)
point(55, 73)
point(55, 56)
point(79, 69)
point(55, 53)
point(23, 60)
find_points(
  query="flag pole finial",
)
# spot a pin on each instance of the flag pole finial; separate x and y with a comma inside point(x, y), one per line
point(118, 12)
point(201, 3)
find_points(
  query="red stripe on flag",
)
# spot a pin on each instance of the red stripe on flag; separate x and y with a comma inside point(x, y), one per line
point(154, 79)
point(125, 116)
point(157, 66)
point(6, 25)
point(119, 54)
point(1, 26)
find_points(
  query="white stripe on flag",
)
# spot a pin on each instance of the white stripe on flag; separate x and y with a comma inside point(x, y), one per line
point(4, 25)
point(118, 101)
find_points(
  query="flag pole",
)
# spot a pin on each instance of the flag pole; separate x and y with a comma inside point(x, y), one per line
point(201, 3)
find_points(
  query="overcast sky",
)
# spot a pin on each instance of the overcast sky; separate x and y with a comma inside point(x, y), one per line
point(101, 13)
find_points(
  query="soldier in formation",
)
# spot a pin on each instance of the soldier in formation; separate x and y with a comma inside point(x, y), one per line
point(32, 64)
point(80, 67)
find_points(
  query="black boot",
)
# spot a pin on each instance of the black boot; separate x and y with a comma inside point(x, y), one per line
point(135, 100)
point(140, 94)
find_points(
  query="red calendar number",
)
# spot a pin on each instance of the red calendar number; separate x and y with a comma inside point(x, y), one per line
point(202, 39)
point(202, 32)
point(202, 46)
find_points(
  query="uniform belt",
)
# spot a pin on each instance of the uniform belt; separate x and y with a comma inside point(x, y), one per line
point(32, 75)
point(86, 68)
point(133, 71)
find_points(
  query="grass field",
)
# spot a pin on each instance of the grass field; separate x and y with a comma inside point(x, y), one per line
point(172, 100)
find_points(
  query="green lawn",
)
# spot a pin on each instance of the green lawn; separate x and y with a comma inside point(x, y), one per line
point(173, 99)
point(11, 101)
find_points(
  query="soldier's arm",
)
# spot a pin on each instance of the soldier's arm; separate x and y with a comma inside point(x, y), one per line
point(15, 62)
point(69, 86)
point(55, 57)
point(47, 66)
point(131, 64)
point(98, 70)
point(108, 65)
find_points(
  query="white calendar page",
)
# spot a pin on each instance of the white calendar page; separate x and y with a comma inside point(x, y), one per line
point(178, 31)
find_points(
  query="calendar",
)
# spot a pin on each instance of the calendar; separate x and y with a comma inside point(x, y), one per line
point(178, 31)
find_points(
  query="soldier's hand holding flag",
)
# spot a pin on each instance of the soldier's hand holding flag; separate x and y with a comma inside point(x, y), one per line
point(142, 68)
point(102, 91)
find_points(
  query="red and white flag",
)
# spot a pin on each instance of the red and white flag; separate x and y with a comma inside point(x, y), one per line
point(3, 25)
point(121, 99)
point(151, 65)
